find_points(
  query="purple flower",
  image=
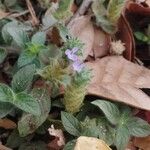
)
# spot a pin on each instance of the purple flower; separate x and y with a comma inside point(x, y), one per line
point(71, 54)
point(78, 66)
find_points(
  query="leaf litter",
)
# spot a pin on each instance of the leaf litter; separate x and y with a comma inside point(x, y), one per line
point(81, 66)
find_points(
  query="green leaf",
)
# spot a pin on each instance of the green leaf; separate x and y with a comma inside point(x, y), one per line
point(89, 128)
point(48, 21)
point(70, 123)
point(22, 80)
point(141, 36)
point(138, 127)
point(6, 94)
point(14, 140)
point(110, 110)
point(3, 55)
point(5, 109)
point(114, 10)
point(63, 32)
point(105, 24)
point(122, 137)
point(64, 10)
point(16, 32)
point(27, 103)
point(37, 145)
point(39, 38)
point(70, 145)
point(29, 123)
point(26, 57)
point(9, 3)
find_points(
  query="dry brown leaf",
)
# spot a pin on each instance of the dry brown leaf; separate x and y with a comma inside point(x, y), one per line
point(90, 143)
point(101, 43)
point(138, 9)
point(3, 14)
point(7, 124)
point(82, 28)
point(142, 143)
point(2, 147)
point(117, 79)
point(126, 36)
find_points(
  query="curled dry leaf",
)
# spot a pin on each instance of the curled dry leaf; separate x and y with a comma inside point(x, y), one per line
point(7, 124)
point(117, 79)
point(126, 36)
point(138, 9)
point(101, 43)
point(82, 28)
point(142, 143)
point(90, 143)
point(96, 42)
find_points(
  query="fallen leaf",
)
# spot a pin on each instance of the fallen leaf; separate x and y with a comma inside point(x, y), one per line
point(82, 28)
point(142, 143)
point(101, 43)
point(117, 79)
point(2, 147)
point(3, 14)
point(90, 143)
point(126, 36)
point(7, 124)
point(138, 9)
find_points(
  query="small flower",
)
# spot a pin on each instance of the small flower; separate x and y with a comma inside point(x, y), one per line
point(78, 66)
point(117, 47)
point(71, 54)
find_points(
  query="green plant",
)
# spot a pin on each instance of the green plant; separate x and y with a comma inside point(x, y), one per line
point(116, 129)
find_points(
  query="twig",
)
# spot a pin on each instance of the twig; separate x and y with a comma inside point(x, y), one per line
point(83, 8)
point(10, 50)
point(15, 15)
point(32, 12)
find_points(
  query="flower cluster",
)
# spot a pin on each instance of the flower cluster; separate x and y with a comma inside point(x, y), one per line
point(78, 64)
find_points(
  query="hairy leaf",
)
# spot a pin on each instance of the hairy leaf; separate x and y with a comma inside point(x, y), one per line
point(37, 145)
point(27, 103)
point(16, 32)
point(139, 127)
point(26, 57)
point(22, 80)
point(114, 10)
point(70, 145)
point(3, 55)
point(29, 123)
point(70, 123)
point(122, 137)
point(5, 109)
point(64, 10)
point(6, 94)
point(39, 38)
point(14, 140)
point(110, 110)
